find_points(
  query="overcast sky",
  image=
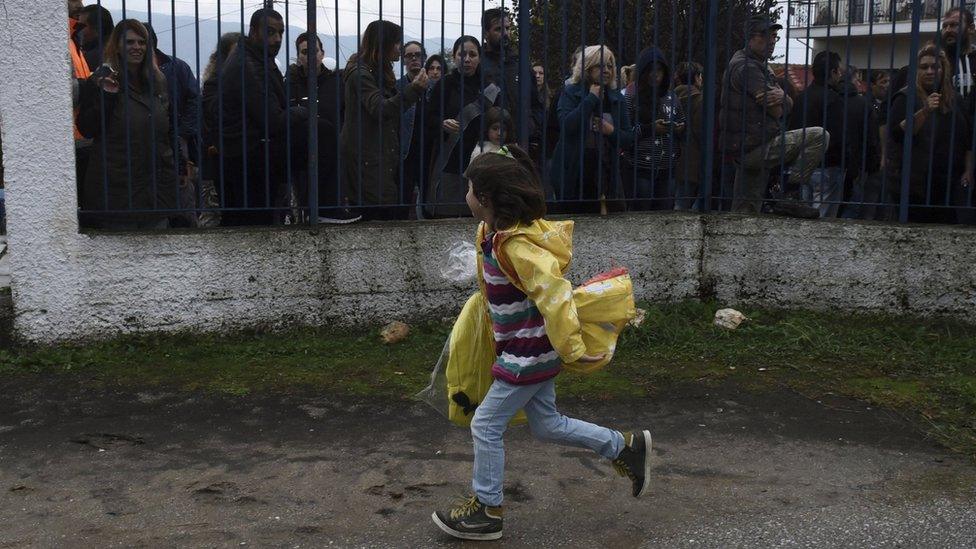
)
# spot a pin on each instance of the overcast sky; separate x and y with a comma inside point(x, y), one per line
point(328, 18)
point(345, 18)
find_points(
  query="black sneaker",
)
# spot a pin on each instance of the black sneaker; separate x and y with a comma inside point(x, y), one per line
point(470, 520)
point(634, 460)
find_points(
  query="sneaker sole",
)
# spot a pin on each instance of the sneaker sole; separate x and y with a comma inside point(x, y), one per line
point(647, 462)
point(334, 221)
point(465, 535)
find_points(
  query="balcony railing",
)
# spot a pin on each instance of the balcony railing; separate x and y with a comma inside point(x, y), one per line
point(861, 12)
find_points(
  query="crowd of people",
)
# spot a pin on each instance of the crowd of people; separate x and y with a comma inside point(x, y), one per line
point(158, 147)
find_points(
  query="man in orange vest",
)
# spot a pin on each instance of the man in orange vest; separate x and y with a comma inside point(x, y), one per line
point(81, 72)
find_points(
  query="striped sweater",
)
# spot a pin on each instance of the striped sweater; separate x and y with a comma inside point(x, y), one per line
point(523, 350)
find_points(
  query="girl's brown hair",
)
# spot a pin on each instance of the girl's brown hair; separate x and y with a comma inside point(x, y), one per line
point(498, 115)
point(943, 85)
point(115, 53)
point(378, 41)
point(509, 185)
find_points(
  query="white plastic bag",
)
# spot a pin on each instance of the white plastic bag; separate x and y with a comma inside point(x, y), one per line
point(462, 263)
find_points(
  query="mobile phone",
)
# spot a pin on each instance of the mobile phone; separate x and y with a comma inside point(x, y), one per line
point(105, 71)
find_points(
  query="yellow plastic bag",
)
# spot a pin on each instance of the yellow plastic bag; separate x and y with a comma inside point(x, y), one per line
point(462, 376)
point(604, 304)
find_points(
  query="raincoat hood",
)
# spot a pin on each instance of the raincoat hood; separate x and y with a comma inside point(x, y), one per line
point(555, 237)
point(646, 61)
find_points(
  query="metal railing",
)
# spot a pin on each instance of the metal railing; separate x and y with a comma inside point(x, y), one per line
point(238, 141)
point(823, 13)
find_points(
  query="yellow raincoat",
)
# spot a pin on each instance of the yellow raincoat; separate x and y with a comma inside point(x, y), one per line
point(586, 320)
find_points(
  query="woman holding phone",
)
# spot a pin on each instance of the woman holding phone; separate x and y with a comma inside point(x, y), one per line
point(131, 179)
point(659, 124)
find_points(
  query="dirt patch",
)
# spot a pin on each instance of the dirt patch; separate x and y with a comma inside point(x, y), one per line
point(159, 467)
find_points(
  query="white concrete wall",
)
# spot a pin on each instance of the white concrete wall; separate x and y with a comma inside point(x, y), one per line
point(68, 285)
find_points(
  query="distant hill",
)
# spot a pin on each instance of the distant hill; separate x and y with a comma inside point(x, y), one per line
point(187, 48)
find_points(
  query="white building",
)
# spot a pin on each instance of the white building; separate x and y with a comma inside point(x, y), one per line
point(866, 33)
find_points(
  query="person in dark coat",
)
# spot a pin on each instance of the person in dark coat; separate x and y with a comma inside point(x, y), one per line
point(183, 91)
point(131, 175)
point(255, 121)
point(370, 138)
point(210, 96)
point(96, 26)
point(834, 104)
point(500, 66)
point(659, 124)
point(329, 113)
point(594, 128)
point(941, 171)
point(458, 89)
point(689, 78)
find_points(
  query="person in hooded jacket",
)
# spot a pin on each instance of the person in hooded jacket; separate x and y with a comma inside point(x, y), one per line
point(595, 128)
point(659, 124)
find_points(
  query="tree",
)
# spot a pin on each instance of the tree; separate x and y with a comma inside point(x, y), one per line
point(677, 27)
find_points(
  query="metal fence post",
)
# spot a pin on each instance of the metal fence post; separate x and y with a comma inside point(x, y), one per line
point(313, 116)
point(906, 167)
point(525, 76)
point(711, 84)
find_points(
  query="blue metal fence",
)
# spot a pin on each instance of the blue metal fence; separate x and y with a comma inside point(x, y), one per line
point(688, 104)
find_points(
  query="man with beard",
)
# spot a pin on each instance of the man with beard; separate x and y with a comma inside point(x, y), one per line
point(500, 64)
point(254, 123)
point(957, 26)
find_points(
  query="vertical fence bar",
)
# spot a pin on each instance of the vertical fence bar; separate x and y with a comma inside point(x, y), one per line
point(128, 130)
point(289, 190)
point(932, 133)
point(910, 113)
point(176, 111)
point(265, 113)
point(220, 115)
point(103, 140)
point(340, 93)
point(153, 160)
point(420, 181)
point(241, 58)
point(313, 113)
point(708, 153)
point(199, 137)
point(526, 80)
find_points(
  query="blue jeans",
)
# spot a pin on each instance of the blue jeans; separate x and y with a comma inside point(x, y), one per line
point(539, 402)
point(825, 189)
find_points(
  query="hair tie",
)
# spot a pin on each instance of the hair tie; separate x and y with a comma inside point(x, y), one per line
point(505, 152)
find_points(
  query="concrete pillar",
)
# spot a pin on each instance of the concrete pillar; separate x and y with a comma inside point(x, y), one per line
point(38, 147)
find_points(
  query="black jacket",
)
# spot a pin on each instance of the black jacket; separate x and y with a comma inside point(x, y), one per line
point(329, 89)
point(502, 69)
point(941, 143)
point(254, 104)
point(456, 97)
point(841, 111)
